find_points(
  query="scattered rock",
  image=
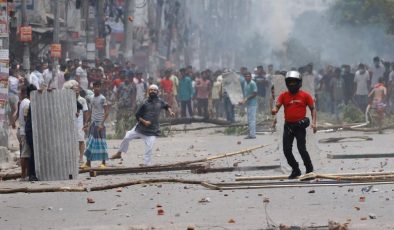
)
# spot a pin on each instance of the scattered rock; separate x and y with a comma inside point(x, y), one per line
point(239, 142)
point(205, 200)
point(357, 208)
point(363, 218)
point(90, 200)
point(160, 212)
point(190, 227)
point(362, 199)
point(283, 227)
point(312, 191)
point(231, 221)
point(158, 206)
point(266, 200)
point(372, 216)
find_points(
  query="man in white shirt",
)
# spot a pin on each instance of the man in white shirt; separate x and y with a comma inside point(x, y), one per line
point(377, 70)
point(50, 81)
point(36, 77)
point(25, 149)
point(361, 85)
point(13, 84)
point(82, 75)
point(81, 120)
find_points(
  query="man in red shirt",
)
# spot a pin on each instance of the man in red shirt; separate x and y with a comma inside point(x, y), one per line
point(166, 85)
point(295, 102)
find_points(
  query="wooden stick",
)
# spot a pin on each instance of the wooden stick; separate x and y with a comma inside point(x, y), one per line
point(336, 139)
point(217, 187)
point(369, 129)
point(187, 120)
point(232, 169)
point(355, 178)
point(109, 171)
point(362, 155)
point(284, 177)
point(208, 127)
point(96, 188)
point(248, 150)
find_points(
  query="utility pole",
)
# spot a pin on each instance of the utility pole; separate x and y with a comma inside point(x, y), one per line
point(100, 26)
point(26, 48)
point(128, 29)
point(55, 41)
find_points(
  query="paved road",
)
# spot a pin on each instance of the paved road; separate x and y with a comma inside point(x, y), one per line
point(137, 206)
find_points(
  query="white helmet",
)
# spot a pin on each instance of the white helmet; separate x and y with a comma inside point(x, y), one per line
point(291, 77)
point(293, 74)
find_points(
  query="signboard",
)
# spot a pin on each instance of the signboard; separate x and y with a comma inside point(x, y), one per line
point(91, 56)
point(100, 43)
point(56, 50)
point(91, 47)
point(74, 35)
point(3, 97)
point(17, 4)
point(3, 19)
point(25, 34)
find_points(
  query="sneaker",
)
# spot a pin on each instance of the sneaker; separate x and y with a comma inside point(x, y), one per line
point(103, 166)
point(294, 174)
point(249, 137)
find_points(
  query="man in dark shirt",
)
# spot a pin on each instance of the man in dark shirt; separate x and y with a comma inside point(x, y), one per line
point(262, 84)
point(348, 79)
point(148, 126)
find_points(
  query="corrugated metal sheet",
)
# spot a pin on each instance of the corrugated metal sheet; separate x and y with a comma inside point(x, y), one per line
point(55, 144)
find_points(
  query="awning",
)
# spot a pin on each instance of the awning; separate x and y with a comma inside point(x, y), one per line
point(50, 16)
point(42, 30)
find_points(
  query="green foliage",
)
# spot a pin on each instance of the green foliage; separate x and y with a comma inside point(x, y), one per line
point(235, 130)
point(123, 125)
point(364, 12)
point(351, 114)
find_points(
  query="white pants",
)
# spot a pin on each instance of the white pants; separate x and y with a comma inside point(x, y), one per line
point(149, 140)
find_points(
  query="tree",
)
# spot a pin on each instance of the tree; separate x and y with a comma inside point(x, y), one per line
point(363, 12)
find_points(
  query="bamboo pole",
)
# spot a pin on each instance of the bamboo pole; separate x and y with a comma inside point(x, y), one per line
point(218, 187)
point(336, 139)
point(235, 169)
point(284, 177)
point(356, 178)
point(109, 171)
point(244, 151)
point(96, 188)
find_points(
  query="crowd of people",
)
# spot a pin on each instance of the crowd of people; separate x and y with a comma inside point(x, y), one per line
point(106, 86)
